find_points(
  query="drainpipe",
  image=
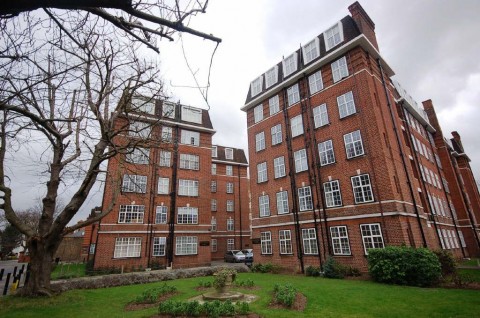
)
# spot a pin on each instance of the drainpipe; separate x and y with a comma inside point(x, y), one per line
point(173, 199)
point(152, 206)
point(240, 206)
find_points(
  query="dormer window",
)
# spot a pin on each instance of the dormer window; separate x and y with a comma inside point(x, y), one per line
point(168, 110)
point(289, 64)
point(143, 105)
point(256, 86)
point(333, 36)
point(229, 153)
point(271, 76)
point(191, 114)
point(214, 151)
point(311, 51)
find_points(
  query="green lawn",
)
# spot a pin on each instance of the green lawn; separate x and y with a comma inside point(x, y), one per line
point(326, 298)
point(65, 271)
point(470, 262)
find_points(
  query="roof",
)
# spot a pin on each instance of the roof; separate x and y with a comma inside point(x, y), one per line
point(238, 155)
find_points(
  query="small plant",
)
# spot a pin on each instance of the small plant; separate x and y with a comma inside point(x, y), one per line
point(212, 309)
point(242, 308)
point(151, 295)
point(332, 269)
point(245, 283)
point(313, 271)
point(447, 262)
point(222, 277)
point(284, 294)
point(205, 284)
point(351, 271)
point(266, 268)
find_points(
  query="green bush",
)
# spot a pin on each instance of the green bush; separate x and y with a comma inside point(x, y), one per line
point(151, 295)
point(205, 284)
point(266, 268)
point(313, 271)
point(447, 262)
point(284, 294)
point(351, 271)
point(212, 309)
point(332, 269)
point(404, 266)
point(245, 283)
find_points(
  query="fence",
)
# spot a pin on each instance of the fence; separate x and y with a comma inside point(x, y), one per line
point(10, 281)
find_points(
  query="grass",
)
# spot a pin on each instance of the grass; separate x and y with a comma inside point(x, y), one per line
point(470, 262)
point(471, 274)
point(326, 298)
point(64, 271)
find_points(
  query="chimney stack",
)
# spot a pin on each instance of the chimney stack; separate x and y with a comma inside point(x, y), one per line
point(364, 23)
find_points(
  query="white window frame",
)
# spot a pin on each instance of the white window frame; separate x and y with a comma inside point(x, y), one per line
point(163, 185)
point(333, 36)
point(311, 51)
point(187, 215)
point(264, 205)
point(138, 156)
point(188, 188)
point(213, 205)
point(230, 225)
point(309, 238)
point(229, 187)
point(339, 69)
point(285, 242)
point(126, 247)
point(266, 243)
point(214, 169)
point(326, 152)
point(340, 240)
point(143, 105)
point(159, 246)
point(134, 183)
point(274, 105)
point(353, 144)
point(258, 113)
point(139, 129)
point(279, 167)
point(131, 213)
point(230, 205)
point(293, 94)
point(188, 137)
point(213, 224)
point(167, 134)
point(229, 170)
point(301, 161)
point(290, 64)
point(262, 175)
point(315, 82)
point(372, 240)
point(230, 244)
point(260, 141)
point(168, 110)
point(165, 158)
point(214, 151)
point(229, 153)
point(271, 77)
point(276, 132)
point(161, 214)
point(296, 126)
point(191, 114)
point(189, 162)
point(214, 245)
point(213, 186)
point(346, 105)
point(186, 245)
point(320, 116)
point(333, 194)
point(256, 86)
point(364, 193)
point(282, 203)
point(305, 199)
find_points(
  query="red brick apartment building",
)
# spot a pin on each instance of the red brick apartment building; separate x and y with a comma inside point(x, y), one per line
point(343, 160)
point(183, 201)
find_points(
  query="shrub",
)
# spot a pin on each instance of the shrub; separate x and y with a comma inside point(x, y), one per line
point(151, 295)
point(222, 276)
point(206, 284)
point(242, 308)
point(266, 268)
point(245, 283)
point(284, 294)
point(447, 262)
point(332, 269)
point(351, 271)
point(404, 266)
point(213, 309)
point(313, 271)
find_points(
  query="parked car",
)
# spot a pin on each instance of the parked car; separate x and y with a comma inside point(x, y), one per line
point(234, 256)
point(248, 255)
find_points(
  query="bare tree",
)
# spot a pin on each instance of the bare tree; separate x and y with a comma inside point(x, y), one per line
point(71, 98)
point(139, 19)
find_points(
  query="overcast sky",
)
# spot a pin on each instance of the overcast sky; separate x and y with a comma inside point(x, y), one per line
point(431, 45)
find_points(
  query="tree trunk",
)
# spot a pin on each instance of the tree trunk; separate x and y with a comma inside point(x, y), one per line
point(41, 265)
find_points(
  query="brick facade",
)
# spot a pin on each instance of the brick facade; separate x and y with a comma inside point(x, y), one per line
point(391, 188)
point(161, 212)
